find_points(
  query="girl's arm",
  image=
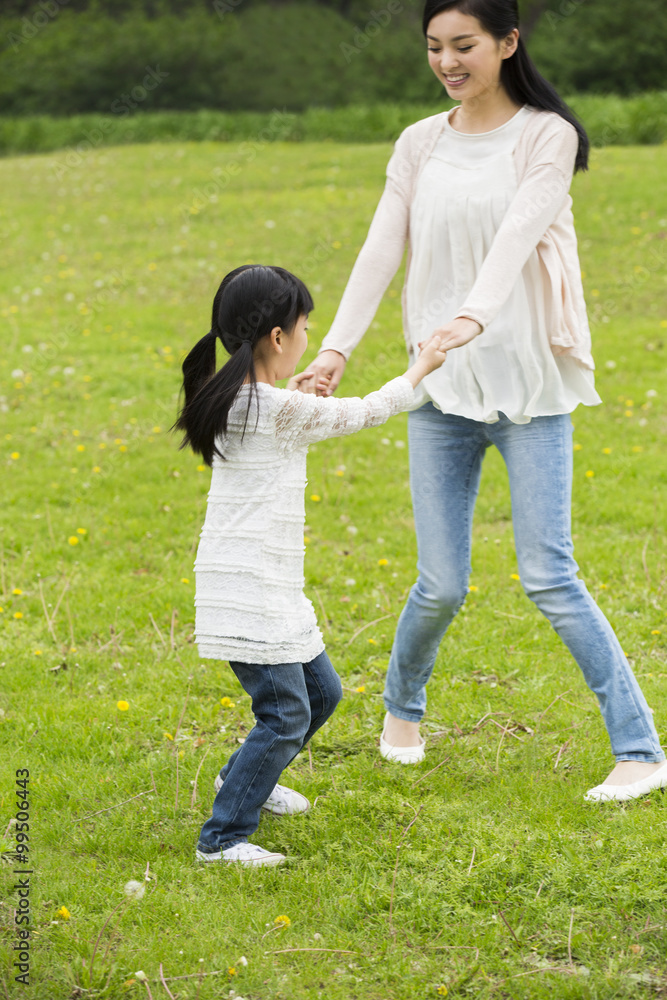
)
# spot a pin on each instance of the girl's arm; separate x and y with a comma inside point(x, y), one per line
point(304, 418)
point(536, 205)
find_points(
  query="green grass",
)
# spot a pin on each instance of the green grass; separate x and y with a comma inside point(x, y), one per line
point(506, 885)
point(610, 120)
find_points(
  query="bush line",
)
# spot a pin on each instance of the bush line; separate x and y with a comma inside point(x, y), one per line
point(609, 120)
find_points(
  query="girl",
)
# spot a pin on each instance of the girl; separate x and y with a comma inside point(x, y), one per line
point(480, 195)
point(250, 605)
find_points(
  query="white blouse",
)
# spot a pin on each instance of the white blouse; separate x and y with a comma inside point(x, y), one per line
point(461, 198)
point(249, 602)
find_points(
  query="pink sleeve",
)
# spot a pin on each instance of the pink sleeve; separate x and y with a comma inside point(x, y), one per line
point(378, 261)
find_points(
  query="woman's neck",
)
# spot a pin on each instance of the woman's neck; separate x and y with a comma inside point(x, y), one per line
point(475, 116)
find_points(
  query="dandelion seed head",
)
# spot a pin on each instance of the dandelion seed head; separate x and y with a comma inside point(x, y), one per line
point(134, 889)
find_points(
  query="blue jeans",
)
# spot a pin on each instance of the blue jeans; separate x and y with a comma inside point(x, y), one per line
point(290, 702)
point(446, 453)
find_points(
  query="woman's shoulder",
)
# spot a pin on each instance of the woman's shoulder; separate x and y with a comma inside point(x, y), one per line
point(422, 130)
point(544, 124)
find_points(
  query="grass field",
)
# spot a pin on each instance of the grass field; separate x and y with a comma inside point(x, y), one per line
point(480, 872)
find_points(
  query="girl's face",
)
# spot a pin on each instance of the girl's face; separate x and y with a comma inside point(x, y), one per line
point(464, 57)
point(294, 346)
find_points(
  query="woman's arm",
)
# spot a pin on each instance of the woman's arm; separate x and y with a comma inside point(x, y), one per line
point(542, 193)
point(378, 261)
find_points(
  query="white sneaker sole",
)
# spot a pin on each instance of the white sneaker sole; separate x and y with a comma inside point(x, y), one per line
point(267, 859)
point(623, 793)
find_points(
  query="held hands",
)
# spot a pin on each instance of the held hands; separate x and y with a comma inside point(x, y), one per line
point(431, 357)
point(457, 333)
point(328, 366)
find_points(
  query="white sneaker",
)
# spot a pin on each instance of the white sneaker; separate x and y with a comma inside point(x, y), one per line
point(244, 854)
point(622, 793)
point(281, 802)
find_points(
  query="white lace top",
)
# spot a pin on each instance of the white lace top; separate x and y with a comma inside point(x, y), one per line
point(250, 605)
point(462, 197)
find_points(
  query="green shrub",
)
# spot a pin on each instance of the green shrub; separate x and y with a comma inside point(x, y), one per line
point(610, 121)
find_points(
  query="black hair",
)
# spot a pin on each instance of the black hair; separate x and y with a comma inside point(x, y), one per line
point(518, 74)
point(249, 303)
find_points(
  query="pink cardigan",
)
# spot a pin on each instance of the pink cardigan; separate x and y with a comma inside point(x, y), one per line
point(538, 218)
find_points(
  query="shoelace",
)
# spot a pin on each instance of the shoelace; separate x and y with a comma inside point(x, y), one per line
point(248, 851)
point(280, 796)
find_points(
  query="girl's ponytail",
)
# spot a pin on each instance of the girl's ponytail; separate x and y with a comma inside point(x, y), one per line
point(519, 75)
point(249, 303)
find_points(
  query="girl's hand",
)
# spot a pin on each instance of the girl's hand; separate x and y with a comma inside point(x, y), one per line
point(329, 367)
point(431, 357)
point(304, 382)
point(457, 333)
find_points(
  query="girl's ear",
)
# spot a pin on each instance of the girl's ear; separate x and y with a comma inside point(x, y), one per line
point(275, 338)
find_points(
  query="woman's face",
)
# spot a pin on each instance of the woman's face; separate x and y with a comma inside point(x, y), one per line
point(464, 57)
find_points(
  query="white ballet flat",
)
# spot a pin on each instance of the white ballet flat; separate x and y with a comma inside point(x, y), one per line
point(622, 793)
point(402, 755)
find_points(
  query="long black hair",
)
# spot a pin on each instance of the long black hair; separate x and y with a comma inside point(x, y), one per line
point(249, 303)
point(518, 73)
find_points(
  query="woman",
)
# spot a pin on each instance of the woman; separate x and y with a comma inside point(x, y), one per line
point(480, 195)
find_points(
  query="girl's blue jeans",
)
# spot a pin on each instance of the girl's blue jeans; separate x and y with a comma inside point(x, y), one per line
point(446, 453)
point(290, 702)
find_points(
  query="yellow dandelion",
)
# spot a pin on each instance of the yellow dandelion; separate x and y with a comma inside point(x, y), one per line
point(123, 447)
point(122, 706)
point(81, 447)
point(101, 446)
point(603, 586)
point(73, 540)
point(15, 454)
point(442, 991)
point(473, 589)
point(315, 497)
point(63, 913)
point(18, 614)
point(629, 413)
point(152, 266)
point(589, 473)
point(2, 611)
point(336, 244)
point(231, 971)
point(17, 591)
point(82, 531)
point(360, 689)
point(577, 447)
point(373, 642)
point(340, 472)
point(655, 631)
point(185, 579)
point(637, 448)
point(201, 468)
point(306, 540)
point(156, 430)
point(515, 576)
point(168, 736)
point(282, 921)
point(227, 702)
point(96, 468)
point(636, 230)
point(383, 562)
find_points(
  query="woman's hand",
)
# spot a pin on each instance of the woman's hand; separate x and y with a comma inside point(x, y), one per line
point(457, 333)
point(328, 367)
